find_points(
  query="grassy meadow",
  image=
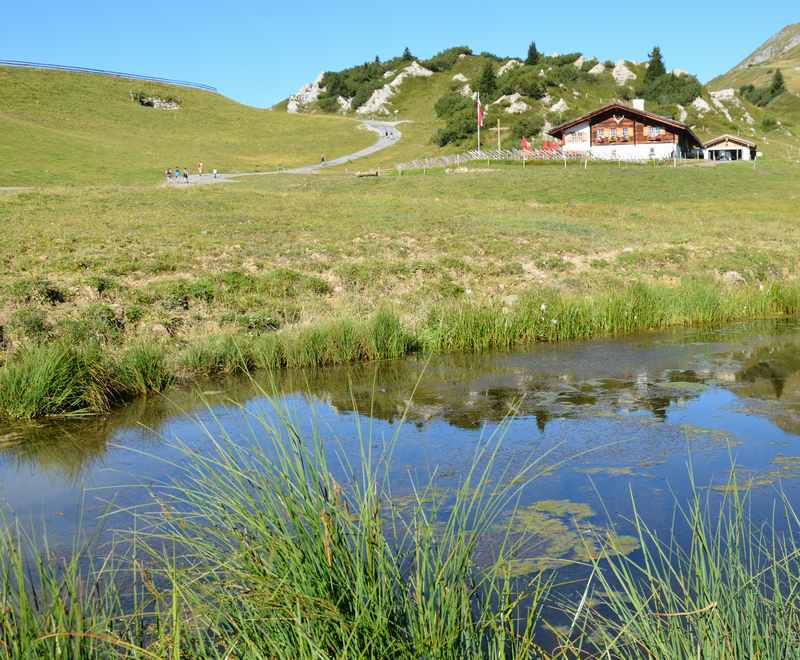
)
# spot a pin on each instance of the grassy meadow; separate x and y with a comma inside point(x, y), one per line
point(82, 129)
point(324, 269)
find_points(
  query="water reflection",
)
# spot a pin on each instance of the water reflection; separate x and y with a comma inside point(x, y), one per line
point(641, 375)
point(629, 408)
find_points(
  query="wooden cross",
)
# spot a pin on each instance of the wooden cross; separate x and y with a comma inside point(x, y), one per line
point(499, 129)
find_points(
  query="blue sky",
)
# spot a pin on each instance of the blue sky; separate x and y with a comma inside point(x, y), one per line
point(260, 52)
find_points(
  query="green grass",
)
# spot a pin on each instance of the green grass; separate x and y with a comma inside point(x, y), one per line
point(463, 262)
point(730, 592)
point(71, 128)
point(54, 379)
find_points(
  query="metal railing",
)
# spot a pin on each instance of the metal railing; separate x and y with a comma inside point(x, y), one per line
point(103, 72)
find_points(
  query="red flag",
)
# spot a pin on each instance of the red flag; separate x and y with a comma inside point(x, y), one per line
point(526, 146)
point(480, 112)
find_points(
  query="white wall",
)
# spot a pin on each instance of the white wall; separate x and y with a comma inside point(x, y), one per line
point(658, 151)
point(576, 139)
point(744, 152)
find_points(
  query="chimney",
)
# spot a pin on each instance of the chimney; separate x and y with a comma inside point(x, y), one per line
point(638, 104)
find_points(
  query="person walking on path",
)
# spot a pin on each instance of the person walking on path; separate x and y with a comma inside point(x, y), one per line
point(177, 173)
point(186, 175)
point(322, 158)
point(168, 175)
point(200, 168)
point(215, 172)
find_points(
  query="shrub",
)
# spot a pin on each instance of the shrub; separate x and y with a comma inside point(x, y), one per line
point(446, 59)
point(452, 103)
point(31, 323)
point(670, 89)
point(523, 80)
point(459, 126)
point(36, 290)
point(97, 323)
point(562, 60)
point(527, 125)
point(769, 123)
point(102, 283)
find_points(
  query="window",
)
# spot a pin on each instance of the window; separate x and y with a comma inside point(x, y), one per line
point(625, 133)
point(613, 133)
point(653, 132)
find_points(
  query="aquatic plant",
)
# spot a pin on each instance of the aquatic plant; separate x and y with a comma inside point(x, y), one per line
point(729, 590)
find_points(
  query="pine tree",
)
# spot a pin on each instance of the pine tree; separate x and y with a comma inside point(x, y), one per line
point(487, 83)
point(533, 54)
point(777, 87)
point(656, 68)
point(407, 56)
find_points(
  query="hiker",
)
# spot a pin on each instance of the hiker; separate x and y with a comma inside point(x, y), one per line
point(322, 158)
point(168, 175)
point(215, 172)
point(177, 173)
point(200, 168)
point(186, 175)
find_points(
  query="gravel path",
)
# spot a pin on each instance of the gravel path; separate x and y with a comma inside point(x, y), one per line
point(388, 134)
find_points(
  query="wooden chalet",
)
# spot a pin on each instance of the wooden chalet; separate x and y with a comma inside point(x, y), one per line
point(621, 132)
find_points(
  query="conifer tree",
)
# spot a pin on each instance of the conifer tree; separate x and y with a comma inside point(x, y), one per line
point(533, 54)
point(407, 56)
point(656, 69)
point(487, 85)
point(778, 86)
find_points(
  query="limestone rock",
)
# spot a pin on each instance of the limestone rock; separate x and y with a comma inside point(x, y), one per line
point(597, 69)
point(701, 106)
point(622, 74)
point(460, 77)
point(511, 64)
point(560, 106)
point(306, 95)
point(732, 277)
point(377, 103)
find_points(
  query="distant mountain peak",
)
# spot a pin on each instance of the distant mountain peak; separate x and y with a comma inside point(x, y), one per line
point(774, 47)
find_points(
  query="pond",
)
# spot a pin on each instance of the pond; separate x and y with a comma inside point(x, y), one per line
point(604, 422)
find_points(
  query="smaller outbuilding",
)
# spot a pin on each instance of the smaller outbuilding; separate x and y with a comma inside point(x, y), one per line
point(730, 148)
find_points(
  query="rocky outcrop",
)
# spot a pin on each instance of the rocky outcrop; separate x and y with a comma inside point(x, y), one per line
point(460, 77)
point(305, 96)
point(701, 106)
point(345, 105)
point(378, 102)
point(560, 106)
point(514, 102)
point(597, 69)
point(622, 74)
point(511, 64)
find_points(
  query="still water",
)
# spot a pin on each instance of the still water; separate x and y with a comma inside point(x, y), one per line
point(607, 420)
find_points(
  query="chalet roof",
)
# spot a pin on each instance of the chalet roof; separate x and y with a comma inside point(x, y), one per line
point(557, 131)
point(730, 138)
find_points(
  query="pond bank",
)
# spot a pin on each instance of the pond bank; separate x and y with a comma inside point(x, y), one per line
point(58, 379)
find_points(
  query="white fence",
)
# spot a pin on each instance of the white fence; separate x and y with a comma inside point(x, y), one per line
point(496, 155)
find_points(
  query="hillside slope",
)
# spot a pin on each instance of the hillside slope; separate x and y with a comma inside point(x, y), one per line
point(74, 128)
point(528, 100)
point(781, 51)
